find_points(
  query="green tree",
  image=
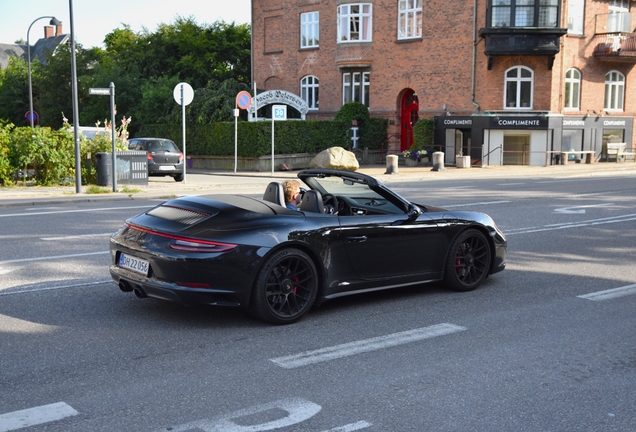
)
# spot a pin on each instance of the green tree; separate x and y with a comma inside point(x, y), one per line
point(14, 90)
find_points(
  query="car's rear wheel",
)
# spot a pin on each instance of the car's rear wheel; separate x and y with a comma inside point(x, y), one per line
point(178, 177)
point(468, 261)
point(285, 288)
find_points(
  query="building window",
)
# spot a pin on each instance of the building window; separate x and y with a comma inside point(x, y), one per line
point(572, 88)
point(576, 13)
point(355, 87)
point(409, 19)
point(309, 91)
point(614, 91)
point(518, 88)
point(524, 13)
point(309, 30)
point(619, 19)
point(354, 22)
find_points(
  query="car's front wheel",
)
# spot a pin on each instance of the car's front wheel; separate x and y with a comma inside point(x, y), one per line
point(285, 288)
point(468, 261)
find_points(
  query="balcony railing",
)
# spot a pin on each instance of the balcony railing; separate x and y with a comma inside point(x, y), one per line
point(613, 23)
point(615, 47)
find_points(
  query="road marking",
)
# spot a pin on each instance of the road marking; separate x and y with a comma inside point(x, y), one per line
point(351, 427)
point(579, 209)
point(477, 203)
point(509, 184)
point(35, 416)
point(365, 345)
point(610, 293)
point(73, 211)
point(51, 288)
point(76, 236)
point(591, 222)
point(53, 257)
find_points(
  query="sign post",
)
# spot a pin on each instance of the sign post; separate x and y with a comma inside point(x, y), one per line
point(105, 92)
point(243, 101)
point(279, 112)
point(183, 95)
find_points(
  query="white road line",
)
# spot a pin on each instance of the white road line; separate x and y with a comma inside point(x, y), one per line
point(366, 345)
point(509, 184)
point(351, 427)
point(35, 416)
point(51, 288)
point(610, 293)
point(73, 211)
point(477, 203)
point(53, 257)
point(76, 236)
point(592, 222)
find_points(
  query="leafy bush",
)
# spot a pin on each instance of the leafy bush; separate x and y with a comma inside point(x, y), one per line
point(5, 165)
point(423, 134)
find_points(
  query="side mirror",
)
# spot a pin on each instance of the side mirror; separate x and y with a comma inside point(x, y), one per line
point(414, 212)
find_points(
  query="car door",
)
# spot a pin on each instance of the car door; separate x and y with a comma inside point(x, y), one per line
point(392, 246)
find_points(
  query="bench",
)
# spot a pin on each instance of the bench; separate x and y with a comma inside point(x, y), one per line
point(618, 150)
point(589, 156)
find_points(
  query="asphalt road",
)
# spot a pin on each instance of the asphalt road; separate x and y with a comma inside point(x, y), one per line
point(536, 348)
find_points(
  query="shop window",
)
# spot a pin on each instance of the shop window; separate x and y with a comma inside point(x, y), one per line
point(614, 91)
point(519, 83)
point(355, 87)
point(309, 30)
point(409, 19)
point(524, 13)
point(354, 22)
point(309, 91)
point(576, 14)
point(572, 88)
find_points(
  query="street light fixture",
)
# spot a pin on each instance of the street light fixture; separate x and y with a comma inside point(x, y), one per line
point(54, 21)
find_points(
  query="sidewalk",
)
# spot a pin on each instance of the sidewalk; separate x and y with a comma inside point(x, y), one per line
point(200, 182)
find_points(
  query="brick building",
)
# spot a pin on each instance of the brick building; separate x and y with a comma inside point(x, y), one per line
point(508, 81)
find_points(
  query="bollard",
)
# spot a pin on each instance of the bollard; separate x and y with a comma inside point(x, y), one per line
point(438, 161)
point(391, 164)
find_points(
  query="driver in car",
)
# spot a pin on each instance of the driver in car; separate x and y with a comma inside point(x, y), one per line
point(291, 188)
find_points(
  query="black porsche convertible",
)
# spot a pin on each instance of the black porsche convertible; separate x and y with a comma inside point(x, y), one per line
point(351, 234)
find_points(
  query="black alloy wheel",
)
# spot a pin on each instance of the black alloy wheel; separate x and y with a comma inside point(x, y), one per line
point(285, 287)
point(468, 261)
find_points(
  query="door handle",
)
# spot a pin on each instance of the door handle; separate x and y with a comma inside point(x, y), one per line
point(357, 239)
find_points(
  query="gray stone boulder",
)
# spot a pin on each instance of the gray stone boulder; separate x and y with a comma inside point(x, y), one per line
point(337, 158)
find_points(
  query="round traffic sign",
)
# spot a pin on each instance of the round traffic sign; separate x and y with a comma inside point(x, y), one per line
point(243, 100)
point(188, 93)
point(28, 115)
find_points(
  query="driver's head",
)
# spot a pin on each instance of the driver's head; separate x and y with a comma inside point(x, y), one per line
point(292, 191)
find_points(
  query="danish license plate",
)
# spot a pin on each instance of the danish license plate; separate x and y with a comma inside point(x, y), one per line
point(133, 263)
point(165, 167)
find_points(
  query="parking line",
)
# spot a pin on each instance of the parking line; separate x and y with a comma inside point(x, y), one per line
point(610, 293)
point(366, 345)
point(351, 427)
point(35, 416)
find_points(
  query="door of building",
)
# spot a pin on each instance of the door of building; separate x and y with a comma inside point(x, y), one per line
point(408, 118)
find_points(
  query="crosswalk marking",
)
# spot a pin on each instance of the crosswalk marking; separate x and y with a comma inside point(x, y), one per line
point(35, 416)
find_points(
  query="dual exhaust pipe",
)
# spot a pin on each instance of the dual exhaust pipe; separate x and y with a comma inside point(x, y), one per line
point(126, 287)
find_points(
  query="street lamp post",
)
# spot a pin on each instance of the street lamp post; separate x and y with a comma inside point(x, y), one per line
point(54, 21)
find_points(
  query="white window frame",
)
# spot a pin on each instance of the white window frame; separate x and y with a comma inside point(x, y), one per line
point(355, 22)
point(618, 19)
point(309, 29)
point(409, 19)
point(356, 87)
point(576, 17)
point(573, 95)
point(519, 81)
point(309, 86)
point(614, 91)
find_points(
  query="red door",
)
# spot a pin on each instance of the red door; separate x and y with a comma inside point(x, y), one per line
point(408, 118)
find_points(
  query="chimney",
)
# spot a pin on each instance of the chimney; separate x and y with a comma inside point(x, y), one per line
point(58, 30)
point(48, 32)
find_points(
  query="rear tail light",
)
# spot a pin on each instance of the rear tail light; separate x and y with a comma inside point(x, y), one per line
point(180, 156)
point(188, 244)
point(149, 156)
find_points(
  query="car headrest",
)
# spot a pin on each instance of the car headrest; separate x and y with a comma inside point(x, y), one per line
point(312, 202)
point(275, 193)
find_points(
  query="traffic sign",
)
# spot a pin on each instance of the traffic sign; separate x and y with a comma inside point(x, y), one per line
point(29, 114)
point(188, 93)
point(279, 112)
point(243, 100)
point(99, 91)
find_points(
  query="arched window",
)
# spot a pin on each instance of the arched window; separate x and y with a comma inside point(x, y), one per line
point(614, 91)
point(519, 87)
point(572, 89)
point(309, 91)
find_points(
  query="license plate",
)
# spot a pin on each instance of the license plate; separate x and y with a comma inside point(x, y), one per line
point(133, 263)
point(165, 167)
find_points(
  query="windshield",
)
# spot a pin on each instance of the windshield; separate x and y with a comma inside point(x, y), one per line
point(356, 191)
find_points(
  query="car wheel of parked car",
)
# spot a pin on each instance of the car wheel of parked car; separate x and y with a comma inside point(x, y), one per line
point(178, 177)
point(468, 261)
point(285, 287)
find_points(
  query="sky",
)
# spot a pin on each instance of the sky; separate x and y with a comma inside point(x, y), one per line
point(93, 20)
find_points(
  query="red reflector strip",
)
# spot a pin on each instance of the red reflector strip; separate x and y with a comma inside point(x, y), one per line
point(194, 285)
point(188, 244)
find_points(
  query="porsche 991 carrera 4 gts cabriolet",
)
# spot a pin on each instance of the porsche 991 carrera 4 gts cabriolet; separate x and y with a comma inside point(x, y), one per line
point(351, 234)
